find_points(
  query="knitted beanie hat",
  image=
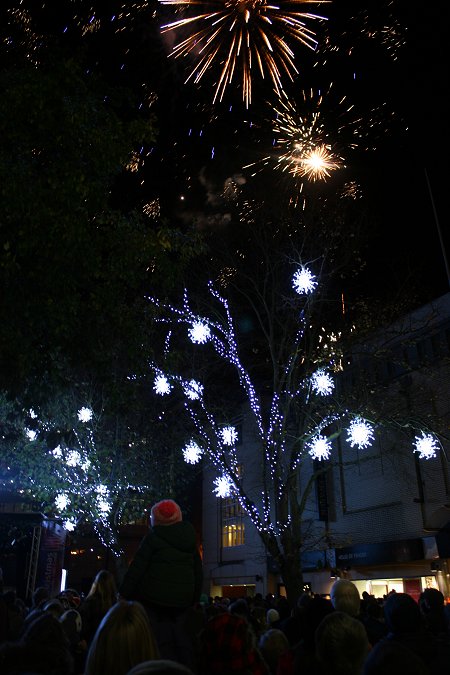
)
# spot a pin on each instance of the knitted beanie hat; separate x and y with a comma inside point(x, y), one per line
point(166, 512)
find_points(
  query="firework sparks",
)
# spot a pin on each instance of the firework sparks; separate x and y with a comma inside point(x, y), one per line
point(302, 139)
point(247, 33)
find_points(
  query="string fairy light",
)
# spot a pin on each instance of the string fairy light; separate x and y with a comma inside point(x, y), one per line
point(283, 454)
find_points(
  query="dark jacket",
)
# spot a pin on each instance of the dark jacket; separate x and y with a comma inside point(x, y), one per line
point(167, 568)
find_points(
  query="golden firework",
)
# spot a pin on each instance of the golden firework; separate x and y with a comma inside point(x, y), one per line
point(303, 141)
point(244, 35)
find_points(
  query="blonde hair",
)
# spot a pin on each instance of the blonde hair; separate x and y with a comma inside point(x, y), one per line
point(123, 639)
point(104, 589)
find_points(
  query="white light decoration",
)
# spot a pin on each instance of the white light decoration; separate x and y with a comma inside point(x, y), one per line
point(303, 281)
point(199, 332)
point(31, 434)
point(319, 448)
point(104, 506)
point(360, 433)
point(57, 452)
point(161, 385)
point(69, 525)
point(192, 453)
point(229, 435)
point(322, 383)
point(32, 414)
point(426, 445)
point(73, 458)
point(85, 414)
point(193, 390)
point(223, 486)
point(61, 502)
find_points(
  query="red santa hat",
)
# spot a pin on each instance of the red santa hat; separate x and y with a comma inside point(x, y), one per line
point(166, 512)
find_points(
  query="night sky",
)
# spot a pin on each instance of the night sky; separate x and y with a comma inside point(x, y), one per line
point(386, 58)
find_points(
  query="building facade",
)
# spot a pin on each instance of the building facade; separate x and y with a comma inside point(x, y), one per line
point(380, 516)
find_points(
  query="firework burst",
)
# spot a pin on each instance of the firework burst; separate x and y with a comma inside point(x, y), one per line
point(245, 35)
point(302, 138)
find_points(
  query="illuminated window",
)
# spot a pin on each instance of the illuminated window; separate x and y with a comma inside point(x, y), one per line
point(232, 521)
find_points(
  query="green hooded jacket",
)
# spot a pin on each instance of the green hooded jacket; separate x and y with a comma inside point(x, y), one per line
point(167, 568)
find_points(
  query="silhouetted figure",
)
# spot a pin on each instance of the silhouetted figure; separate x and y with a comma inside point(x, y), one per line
point(166, 576)
point(101, 597)
point(227, 645)
point(405, 625)
point(43, 648)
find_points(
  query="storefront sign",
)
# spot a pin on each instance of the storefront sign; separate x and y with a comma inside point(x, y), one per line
point(380, 553)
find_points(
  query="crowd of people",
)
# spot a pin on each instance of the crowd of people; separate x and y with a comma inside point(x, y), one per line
point(167, 626)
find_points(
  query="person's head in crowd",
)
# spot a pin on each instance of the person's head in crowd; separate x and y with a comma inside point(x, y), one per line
point(54, 606)
point(240, 607)
point(166, 512)
point(272, 617)
point(342, 644)
point(389, 657)
point(311, 617)
point(227, 644)
point(432, 609)
point(123, 639)
point(401, 614)
point(40, 596)
point(272, 644)
point(72, 624)
point(104, 588)
point(345, 597)
point(160, 667)
point(44, 647)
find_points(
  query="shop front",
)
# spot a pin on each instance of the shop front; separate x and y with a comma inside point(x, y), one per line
point(405, 566)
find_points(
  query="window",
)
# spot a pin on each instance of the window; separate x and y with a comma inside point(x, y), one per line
point(232, 520)
point(232, 523)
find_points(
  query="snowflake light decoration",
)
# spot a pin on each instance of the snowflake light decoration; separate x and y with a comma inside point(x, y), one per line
point(85, 414)
point(193, 390)
point(322, 383)
point(426, 445)
point(161, 385)
point(360, 433)
point(104, 506)
point(229, 435)
point(303, 281)
point(57, 452)
point(61, 502)
point(223, 486)
point(31, 434)
point(199, 332)
point(192, 453)
point(73, 458)
point(319, 448)
point(69, 525)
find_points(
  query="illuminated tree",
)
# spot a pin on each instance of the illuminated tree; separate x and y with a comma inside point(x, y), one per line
point(93, 473)
point(286, 376)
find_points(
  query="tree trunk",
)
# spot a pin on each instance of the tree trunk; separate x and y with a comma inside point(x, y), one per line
point(292, 575)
